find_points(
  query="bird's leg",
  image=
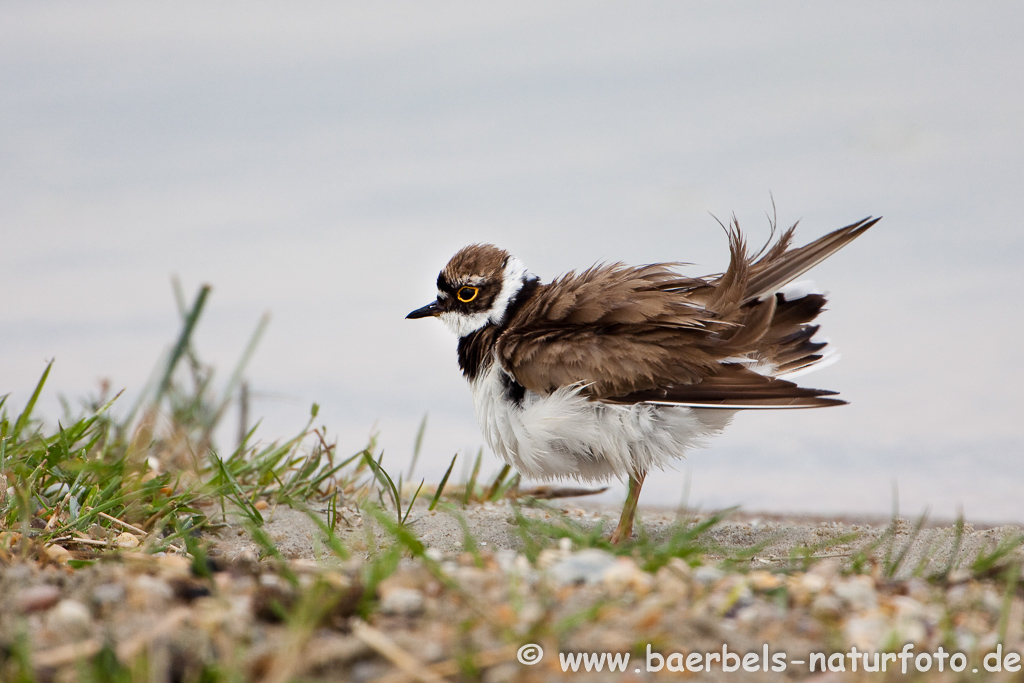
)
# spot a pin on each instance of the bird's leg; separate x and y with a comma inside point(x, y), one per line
point(625, 528)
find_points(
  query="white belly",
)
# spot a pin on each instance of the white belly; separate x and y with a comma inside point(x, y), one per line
point(565, 435)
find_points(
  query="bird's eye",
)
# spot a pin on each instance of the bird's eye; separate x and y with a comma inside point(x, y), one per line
point(467, 294)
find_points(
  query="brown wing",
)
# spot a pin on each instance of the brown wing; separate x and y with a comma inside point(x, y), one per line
point(733, 386)
point(649, 334)
point(619, 329)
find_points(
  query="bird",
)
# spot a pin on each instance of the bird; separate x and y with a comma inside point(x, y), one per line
point(616, 370)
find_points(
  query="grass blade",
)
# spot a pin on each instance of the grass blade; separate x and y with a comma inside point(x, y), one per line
point(27, 413)
point(467, 495)
point(440, 487)
point(183, 341)
point(496, 485)
point(386, 481)
point(412, 502)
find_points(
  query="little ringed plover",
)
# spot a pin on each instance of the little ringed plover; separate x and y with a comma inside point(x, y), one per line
point(619, 369)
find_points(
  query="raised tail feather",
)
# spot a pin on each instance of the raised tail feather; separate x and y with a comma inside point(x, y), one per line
point(770, 330)
point(781, 266)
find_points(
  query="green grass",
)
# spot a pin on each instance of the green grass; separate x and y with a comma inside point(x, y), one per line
point(76, 476)
point(155, 470)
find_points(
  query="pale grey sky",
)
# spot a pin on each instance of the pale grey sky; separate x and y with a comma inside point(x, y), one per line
point(323, 161)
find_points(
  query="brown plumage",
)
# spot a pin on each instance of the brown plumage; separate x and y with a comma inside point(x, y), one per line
point(647, 333)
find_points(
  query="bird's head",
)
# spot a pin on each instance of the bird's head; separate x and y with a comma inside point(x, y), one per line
point(475, 289)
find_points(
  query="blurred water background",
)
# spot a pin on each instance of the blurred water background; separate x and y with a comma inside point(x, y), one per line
point(323, 161)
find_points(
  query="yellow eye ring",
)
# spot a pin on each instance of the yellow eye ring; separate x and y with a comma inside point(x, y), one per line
point(467, 294)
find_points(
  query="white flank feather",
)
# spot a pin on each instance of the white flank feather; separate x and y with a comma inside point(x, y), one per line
point(565, 435)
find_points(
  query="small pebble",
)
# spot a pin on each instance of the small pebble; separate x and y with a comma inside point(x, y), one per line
point(507, 672)
point(108, 594)
point(671, 587)
point(127, 540)
point(624, 575)
point(812, 583)
point(57, 553)
point(827, 607)
point(707, 574)
point(401, 601)
point(586, 566)
point(148, 592)
point(37, 598)
point(175, 567)
point(858, 592)
point(70, 618)
point(761, 580)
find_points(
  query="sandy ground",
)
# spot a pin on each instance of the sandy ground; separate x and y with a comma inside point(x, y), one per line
point(493, 525)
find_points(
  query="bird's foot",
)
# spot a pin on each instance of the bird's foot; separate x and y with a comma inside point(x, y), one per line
point(624, 530)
